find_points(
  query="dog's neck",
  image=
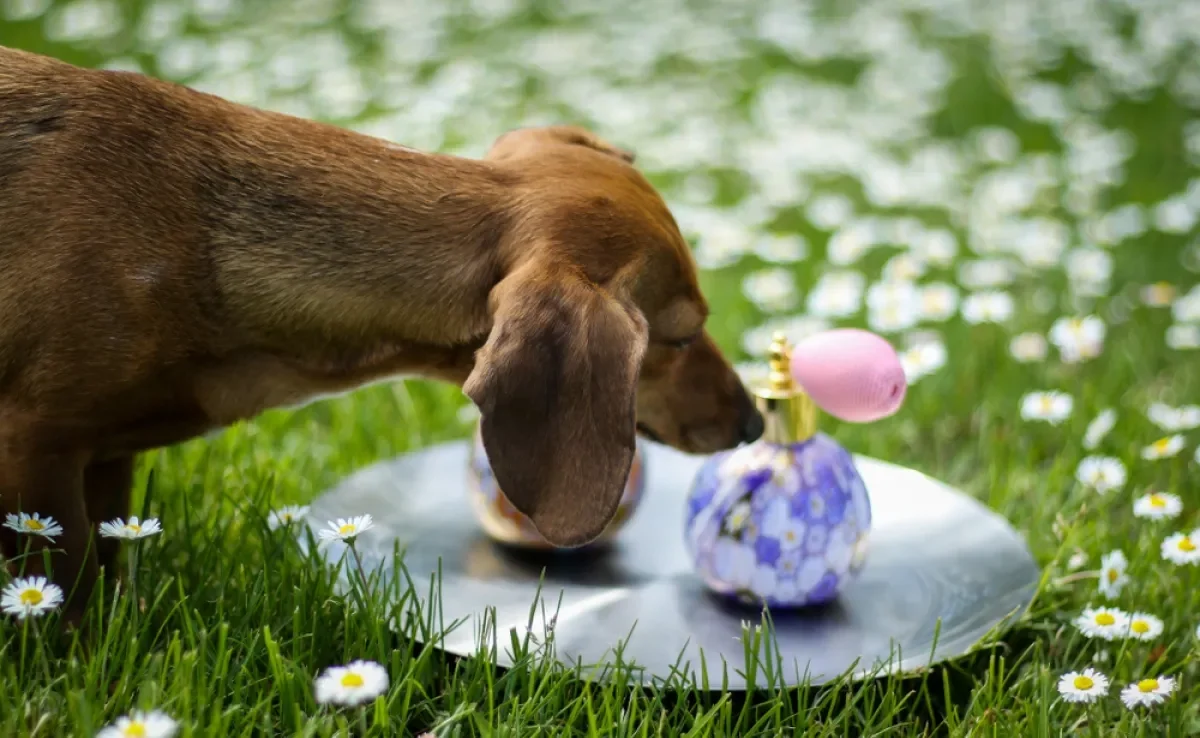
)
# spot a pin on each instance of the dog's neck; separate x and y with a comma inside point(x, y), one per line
point(319, 234)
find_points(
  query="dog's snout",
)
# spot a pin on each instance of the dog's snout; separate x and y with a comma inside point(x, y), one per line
point(752, 425)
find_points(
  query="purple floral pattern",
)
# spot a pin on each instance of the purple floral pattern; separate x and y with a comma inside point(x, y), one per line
point(784, 526)
point(505, 523)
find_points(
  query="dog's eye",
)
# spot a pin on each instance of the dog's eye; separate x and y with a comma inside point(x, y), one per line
point(683, 342)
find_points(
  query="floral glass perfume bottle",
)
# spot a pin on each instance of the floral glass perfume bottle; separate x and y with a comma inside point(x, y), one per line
point(782, 521)
point(505, 524)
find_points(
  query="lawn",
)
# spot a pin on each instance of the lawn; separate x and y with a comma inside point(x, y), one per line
point(1007, 191)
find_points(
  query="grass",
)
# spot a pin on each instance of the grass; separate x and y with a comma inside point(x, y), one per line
point(237, 620)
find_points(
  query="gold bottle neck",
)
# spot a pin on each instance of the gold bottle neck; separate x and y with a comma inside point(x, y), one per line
point(789, 414)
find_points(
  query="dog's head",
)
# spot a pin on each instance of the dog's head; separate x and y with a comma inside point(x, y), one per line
point(598, 333)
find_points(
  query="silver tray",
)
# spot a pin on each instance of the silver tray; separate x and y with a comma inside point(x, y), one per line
point(942, 573)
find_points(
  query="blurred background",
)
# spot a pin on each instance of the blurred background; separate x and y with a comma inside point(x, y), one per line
point(994, 186)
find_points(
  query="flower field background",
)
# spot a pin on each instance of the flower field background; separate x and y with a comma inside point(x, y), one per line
point(1010, 192)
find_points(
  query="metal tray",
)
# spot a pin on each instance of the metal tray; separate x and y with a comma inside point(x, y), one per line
point(942, 572)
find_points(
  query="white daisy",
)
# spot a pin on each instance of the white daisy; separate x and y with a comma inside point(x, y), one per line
point(1148, 692)
point(1113, 577)
point(1101, 473)
point(30, 596)
point(987, 307)
point(984, 273)
point(1100, 426)
point(352, 684)
point(1078, 338)
point(1183, 336)
point(1052, 407)
point(1173, 419)
point(1159, 294)
point(138, 724)
point(1086, 686)
point(34, 525)
point(1181, 548)
point(1158, 506)
point(1029, 347)
point(286, 515)
point(939, 301)
point(1105, 623)
point(1077, 561)
point(893, 317)
point(771, 290)
point(1163, 448)
point(922, 359)
point(837, 294)
point(1144, 627)
point(345, 529)
point(135, 528)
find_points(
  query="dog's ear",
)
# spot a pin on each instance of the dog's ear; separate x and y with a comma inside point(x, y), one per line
point(556, 386)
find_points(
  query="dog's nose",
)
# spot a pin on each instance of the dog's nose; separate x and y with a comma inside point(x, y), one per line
point(752, 425)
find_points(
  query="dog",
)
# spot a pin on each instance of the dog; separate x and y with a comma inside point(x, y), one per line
point(172, 263)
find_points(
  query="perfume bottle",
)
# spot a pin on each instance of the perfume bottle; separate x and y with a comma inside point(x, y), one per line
point(783, 521)
point(503, 523)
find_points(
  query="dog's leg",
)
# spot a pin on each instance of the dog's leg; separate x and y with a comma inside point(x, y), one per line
point(50, 484)
point(106, 488)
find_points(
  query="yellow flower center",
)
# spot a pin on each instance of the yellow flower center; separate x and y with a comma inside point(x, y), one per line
point(1161, 292)
point(346, 529)
point(1157, 501)
point(1082, 682)
point(1047, 404)
point(31, 597)
point(352, 680)
point(1113, 574)
point(1105, 618)
point(1162, 445)
point(32, 524)
point(790, 536)
point(1147, 685)
point(1140, 626)
point(135, 730)
point(133, 528)
point(1185, 544)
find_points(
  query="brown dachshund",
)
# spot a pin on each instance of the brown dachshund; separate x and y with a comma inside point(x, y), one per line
point(171, 263)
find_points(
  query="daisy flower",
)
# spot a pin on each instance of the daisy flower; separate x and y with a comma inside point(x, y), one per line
point(993, 306)
point(134, 529)
point(1159, 294)
point(1113, 577)
point(1158, 506)
point(1105, 623)
point(1101, 473)
point(1144, 626)
point(1163, 448)
point(353, 684)
point(1148, 692)
point(1181, 548)
point(1182, 337)
point(1078, 338)
point(922, 359)
point(30, 596)
point(1052, 407)
point(837, 294)
point(938, 301)
point(138, 724)
point(1100, 426)
point(33, 525)
point(1085, 686)
point(286, 515)
point(771, 290)
point(345, 529)
point(1028, 347)
point(1173, 419)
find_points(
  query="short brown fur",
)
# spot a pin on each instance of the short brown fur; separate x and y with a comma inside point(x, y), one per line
point(172, 263)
